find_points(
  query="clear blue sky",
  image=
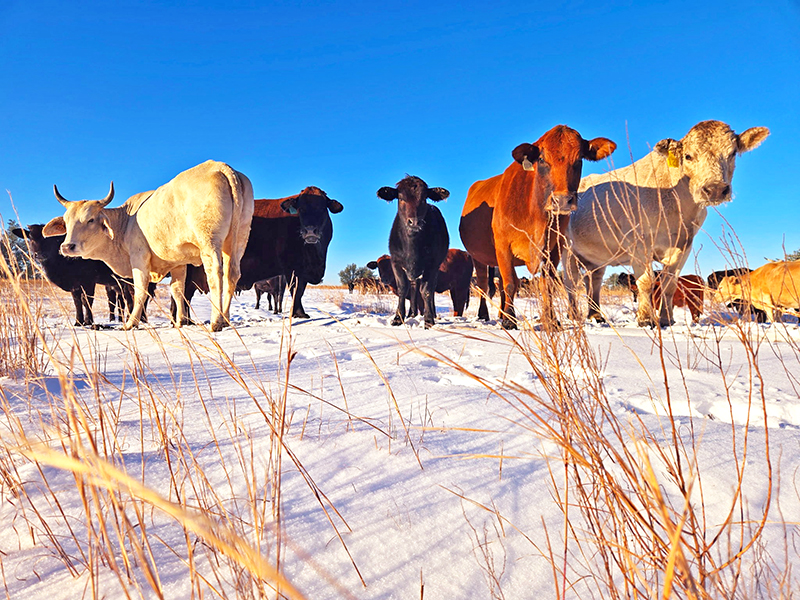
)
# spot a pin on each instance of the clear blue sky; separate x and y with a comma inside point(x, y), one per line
point(351, 96)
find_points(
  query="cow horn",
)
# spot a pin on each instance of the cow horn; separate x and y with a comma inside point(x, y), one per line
point(105, 201)
point(63, 201)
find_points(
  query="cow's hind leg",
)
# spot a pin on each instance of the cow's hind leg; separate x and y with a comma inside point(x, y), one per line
point(482, 276)
point(213, 266)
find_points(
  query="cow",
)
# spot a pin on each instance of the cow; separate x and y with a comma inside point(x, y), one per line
point(289, 237)
point(364, 284)
point(202, 216)
point(773, 288)
point(741, 307)
point(651, 211)
point(689, 293)
point(77, 276)
point(418, 244)
point(455, 276)
point(518, 217)
point(274, 288)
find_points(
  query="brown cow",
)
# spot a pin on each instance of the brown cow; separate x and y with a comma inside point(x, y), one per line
point(455, 275)
point(773, 288)
point(690, 292)
point(518, 218)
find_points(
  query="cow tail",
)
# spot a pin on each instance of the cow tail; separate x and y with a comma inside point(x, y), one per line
point(242, 195)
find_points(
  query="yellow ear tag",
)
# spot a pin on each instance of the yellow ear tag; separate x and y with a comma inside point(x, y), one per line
point(672, 160)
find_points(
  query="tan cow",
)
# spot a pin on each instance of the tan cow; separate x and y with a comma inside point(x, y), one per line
point(773, 288)
point(200, 217)
point(651, 211)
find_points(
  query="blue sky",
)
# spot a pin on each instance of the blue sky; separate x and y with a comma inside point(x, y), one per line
point(351, 96)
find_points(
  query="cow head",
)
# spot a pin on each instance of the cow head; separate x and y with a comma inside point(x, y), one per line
point(385, 272)
point(36, 242)
point(707, 156)
point(557, 159)
point(84, 224)
point(412, 194)
point(729, 289)
point(312, 206)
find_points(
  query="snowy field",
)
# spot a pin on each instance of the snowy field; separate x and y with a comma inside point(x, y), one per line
point(380, 462)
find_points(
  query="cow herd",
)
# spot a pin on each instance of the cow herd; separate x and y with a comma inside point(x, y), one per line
point(206, 231)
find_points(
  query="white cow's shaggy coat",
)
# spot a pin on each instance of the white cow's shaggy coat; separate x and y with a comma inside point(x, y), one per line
point(200, 217)
point(651, 211)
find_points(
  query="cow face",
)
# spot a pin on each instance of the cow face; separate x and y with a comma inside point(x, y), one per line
point(729, 289)
point(312, 206)
point(36, 242)
point(557, 159)
point(412, 207)
point(707, 156)
point(84, 225)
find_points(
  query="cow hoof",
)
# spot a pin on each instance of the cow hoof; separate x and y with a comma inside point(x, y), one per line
point(428, 325)
point(397, 321)
point(300, 315)
point(596, 317)
point(509, 324)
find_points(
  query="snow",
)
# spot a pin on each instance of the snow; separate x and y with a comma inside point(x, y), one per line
point(409, 457)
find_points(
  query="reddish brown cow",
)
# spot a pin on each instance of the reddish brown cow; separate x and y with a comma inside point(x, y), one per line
point(518, 218)
point(455, 275)
point(690, 292)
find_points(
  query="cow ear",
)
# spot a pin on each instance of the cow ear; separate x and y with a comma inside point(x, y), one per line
point(597, 149)
point(387, 193)
point(526, 155)
point(752, 138)
point(107, 229)
point(438, 194)
point(665, 146)
point(373, 264)
point(289, 206)
point(18, 232)
point(335, 206)
point(55, 227)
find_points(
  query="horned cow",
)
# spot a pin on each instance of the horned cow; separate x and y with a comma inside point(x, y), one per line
point(202, 216)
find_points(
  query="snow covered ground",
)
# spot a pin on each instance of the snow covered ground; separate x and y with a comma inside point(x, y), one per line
point(410, 463)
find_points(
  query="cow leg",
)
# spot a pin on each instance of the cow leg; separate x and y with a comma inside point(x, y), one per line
point(428, 285)
point(403, 287)
point(212, 264)
point(482, 283)
point(177, 287)
point(141, 279)
point(88, 300)
point(594, 283)
point(77, 299)
point(230, 277)
point(279, 296)
point(645, 315)
point(297, 298)
point(258, 297)
point(547, 280)
point(510, 286)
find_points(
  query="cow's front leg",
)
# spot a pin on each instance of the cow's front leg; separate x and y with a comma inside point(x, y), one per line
point(428, 285)
point(511, 284)
point(141, 279)
point(594, 283)
point(297, 299)
point(403, 288)
point(645, 314)
point(177, 288)
point(668, 283)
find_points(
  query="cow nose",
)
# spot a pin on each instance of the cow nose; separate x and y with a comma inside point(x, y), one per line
point(716, 191)
point(310, 235)
point(67, 249)
point(562, 204)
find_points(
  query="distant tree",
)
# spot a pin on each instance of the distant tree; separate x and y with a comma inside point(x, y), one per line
point(352, 272)
point(612, 281)
point(794, 255)
point(15, 253)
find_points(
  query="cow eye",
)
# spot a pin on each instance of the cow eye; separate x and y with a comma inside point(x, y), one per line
point(90, 221)
point(688, 157)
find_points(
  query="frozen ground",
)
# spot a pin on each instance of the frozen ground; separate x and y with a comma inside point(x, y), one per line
point(400, 432)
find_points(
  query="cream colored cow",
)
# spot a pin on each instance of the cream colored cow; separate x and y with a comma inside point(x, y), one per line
point(200, 217)
point(651, 211)
point(773, 288)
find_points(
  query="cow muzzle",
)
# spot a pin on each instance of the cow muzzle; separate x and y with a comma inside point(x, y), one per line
point(69, 249)
point(715, 193)
point(561, 204)
point(310, 235)
point(415, 225)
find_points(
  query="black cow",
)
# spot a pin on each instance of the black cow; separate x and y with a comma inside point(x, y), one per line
point(418, 243)
point(274, 288)
point(78, 276)
point(289, 237)
point(743, 308)
point(455, 276)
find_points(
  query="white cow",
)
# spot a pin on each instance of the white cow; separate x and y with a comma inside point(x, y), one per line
point(651, 211)
point(200, 217)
